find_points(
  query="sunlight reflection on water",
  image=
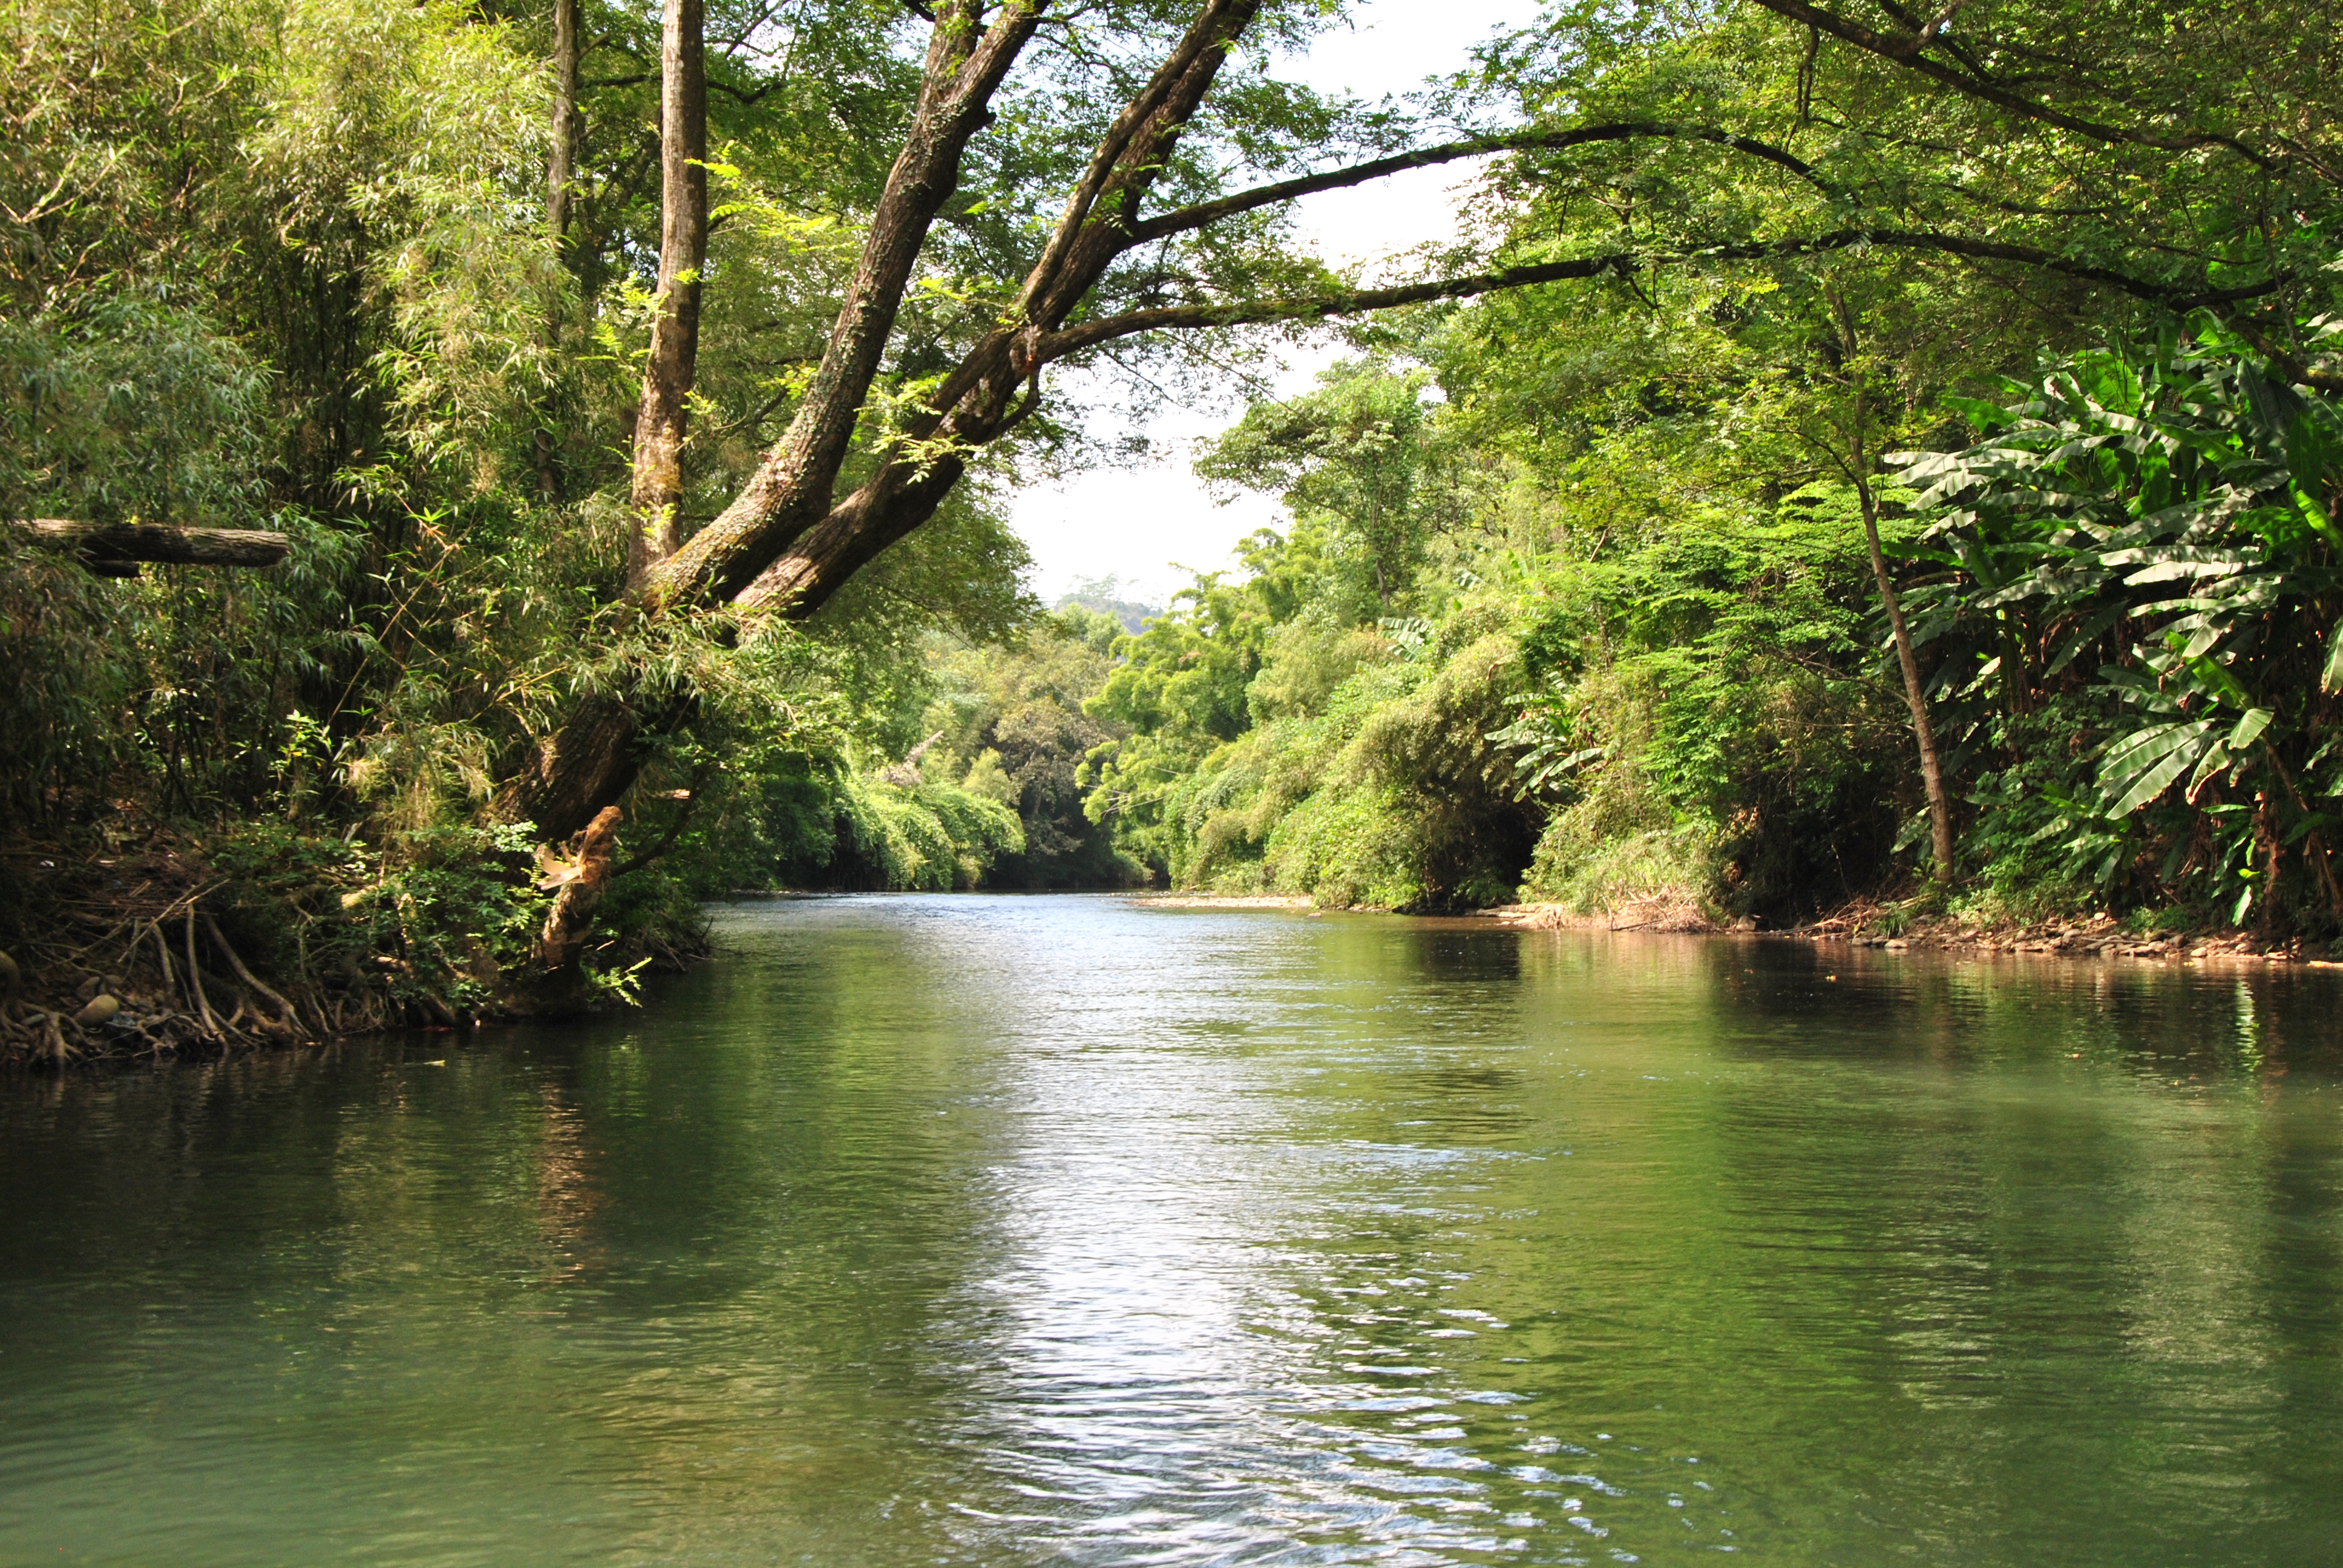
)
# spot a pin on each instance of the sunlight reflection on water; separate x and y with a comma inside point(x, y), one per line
point(986, 1231)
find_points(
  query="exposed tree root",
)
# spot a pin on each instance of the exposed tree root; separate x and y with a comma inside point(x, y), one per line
point(125, 956)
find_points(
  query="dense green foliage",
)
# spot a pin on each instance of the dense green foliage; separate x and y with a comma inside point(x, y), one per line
point(1675, 687)
point(1575, 598)
point(1596, 699)
point(1575, 602)
point(280, 265)
point(2142, 631)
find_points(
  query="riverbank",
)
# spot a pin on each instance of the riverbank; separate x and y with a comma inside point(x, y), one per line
point(1897, 928)
point(1865, 924)
point(140, 940)
point(1220, 901)
point(135, 965)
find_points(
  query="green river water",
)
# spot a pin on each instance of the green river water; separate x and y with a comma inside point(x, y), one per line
point(967, 1230)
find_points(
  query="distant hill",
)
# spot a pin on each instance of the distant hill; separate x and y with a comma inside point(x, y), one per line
point(1098, 594)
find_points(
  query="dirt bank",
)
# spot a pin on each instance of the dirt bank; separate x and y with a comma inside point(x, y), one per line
point(1889, 926)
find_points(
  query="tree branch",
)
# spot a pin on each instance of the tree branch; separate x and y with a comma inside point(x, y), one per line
point(1907, 51)
point(105, 544)
point(1349, 302)
point(1219, 22)
point(1204, 213)
point(1352, 302)
point(2283, 360)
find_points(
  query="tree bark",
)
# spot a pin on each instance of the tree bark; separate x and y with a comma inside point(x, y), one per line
point(570, 921)
point(573, 773)
point(660, 425)
point(116, 544)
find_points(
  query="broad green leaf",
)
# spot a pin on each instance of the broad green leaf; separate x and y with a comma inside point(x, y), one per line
point(2151, 783)
point(1978, 412)
point(2317, 514)
point(2217, 759)
point(2256, 720)
point(2137, 750)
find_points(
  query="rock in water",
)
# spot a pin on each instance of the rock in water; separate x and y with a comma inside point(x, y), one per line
point(98, 1009)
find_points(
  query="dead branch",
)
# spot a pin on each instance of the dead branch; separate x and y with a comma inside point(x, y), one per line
point(114, 549)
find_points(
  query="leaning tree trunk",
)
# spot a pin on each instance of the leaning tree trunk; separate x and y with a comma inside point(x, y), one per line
point(1915, 696)
point(1915, 690)
point(658, 487)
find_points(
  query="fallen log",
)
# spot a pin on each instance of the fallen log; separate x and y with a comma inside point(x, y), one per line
point(114, 549)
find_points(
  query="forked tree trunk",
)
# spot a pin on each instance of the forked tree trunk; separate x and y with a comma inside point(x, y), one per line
point(787, 543)
point(660, 425)
point(591, 760)
point(794, 487)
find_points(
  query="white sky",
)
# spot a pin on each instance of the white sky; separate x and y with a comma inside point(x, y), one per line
point(1145, 525)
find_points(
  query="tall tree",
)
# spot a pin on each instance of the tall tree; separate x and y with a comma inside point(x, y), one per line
point(657, 488)
point(561, 158)
point(560, 171)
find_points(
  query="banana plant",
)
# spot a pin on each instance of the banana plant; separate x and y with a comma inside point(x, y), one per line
point(2144, 542)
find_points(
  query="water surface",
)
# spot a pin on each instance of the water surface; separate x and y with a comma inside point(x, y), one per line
point(1057, 1230)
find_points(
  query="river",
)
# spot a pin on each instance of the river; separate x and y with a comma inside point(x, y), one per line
point(1005, 1230)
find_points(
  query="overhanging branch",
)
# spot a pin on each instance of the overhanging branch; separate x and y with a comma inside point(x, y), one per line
point(1350, 302)
point(1620, 263)
point(1204, 213)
